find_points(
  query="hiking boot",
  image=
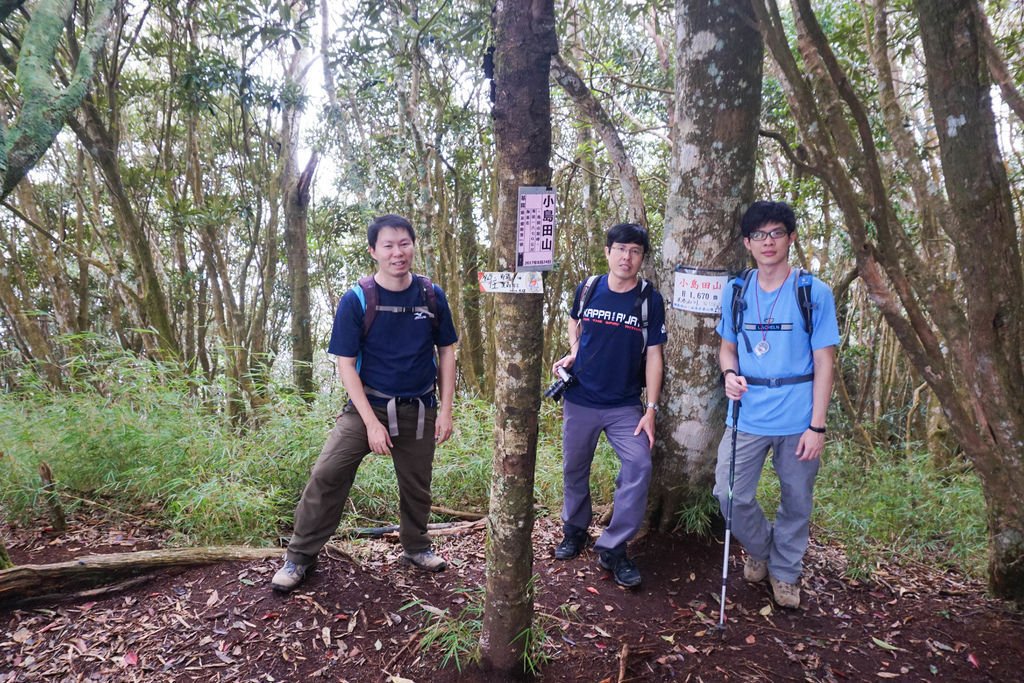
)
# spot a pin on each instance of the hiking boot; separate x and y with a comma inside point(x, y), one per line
point(289, 576)
point(623, 569)
point(786, 594)
point(426, 560)
point(755, 570)
point(572, 545)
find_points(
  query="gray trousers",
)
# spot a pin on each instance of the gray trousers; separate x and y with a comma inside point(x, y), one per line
point(581, 429)
point(323, 499)
point(783, 544)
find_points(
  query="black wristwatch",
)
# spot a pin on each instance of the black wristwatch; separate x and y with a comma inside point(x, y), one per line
point(817, 430)
point(721, 377)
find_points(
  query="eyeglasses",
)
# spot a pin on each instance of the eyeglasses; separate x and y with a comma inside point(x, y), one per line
point(761, 235)
point(631, 252)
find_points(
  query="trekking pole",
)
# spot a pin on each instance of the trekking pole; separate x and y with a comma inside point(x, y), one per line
point(728, 513)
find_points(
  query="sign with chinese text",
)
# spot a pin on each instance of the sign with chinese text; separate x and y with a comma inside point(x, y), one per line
point(699, 290)
point(535, 229)
point(525, 282)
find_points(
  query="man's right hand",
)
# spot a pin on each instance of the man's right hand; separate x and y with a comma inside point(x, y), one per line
point(378, 438)
point(735, 386)
point(565, 361)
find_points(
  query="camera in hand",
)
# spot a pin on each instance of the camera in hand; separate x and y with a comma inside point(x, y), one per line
point(558, 387)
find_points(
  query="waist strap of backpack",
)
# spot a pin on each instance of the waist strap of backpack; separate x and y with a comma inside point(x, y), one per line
point(779, 381)
point(393, 410)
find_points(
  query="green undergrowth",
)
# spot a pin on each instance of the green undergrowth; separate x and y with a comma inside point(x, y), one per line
point(892, 506)
point(131, 434)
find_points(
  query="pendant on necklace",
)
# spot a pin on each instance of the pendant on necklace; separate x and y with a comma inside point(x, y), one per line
point(761, 348)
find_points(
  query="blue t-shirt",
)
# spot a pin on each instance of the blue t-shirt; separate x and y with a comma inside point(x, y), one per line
point(398, 352)
point(775, 318)
point(609, 368)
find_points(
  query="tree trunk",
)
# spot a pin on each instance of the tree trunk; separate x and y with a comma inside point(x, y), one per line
point(717, 103)
point(296, 195)
point(524, 41)
point(990, 266)
point(5, 559)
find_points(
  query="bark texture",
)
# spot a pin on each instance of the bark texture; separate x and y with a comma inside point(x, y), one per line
point(524, 42)
point(988, 252)
point(717, 105)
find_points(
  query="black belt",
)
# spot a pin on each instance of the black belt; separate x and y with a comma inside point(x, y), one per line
point(779, 381)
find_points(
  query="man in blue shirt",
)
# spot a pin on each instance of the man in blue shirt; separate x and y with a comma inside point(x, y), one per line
point(389, 372)
point(616, 335)
point(781, 373)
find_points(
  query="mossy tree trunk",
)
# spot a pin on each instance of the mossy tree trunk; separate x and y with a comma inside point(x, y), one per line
point(524, 42)
point(45, 107)
point(718, 59)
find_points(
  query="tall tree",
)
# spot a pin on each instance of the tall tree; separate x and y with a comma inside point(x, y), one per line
point(963, 336)
point(524, 35)
point(297, 186)
point(718, 55)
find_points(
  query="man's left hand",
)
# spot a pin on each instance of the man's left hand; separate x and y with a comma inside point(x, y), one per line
point(811, 445)
point(443, 426)
point(646, 425)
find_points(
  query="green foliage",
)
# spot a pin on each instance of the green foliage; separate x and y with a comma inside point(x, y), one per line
point(886, 506)
point(133, 432)
point(130, 432)
point(458, 636)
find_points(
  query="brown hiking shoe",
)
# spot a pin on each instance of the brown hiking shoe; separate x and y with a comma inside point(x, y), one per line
point(755, 570)
point(786, 594)
point(426, 560)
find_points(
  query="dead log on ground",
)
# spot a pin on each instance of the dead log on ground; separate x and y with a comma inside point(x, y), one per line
point(33, 580)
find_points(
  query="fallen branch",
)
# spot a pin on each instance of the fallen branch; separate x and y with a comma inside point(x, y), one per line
point(59, 579)
point(623, 658)
point(436, 529)
point(460, 514)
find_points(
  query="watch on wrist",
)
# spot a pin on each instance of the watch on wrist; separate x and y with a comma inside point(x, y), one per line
point(817, 430)
point(653, 405)
point(721, 377)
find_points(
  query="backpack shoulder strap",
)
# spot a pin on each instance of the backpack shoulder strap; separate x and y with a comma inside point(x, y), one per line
point(802, 282)
point(430, 296)
point(588, 292)
point(366, 291)
point(739, 289)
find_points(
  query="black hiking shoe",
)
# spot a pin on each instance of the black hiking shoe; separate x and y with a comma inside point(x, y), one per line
point(572, 545)
point(623, 569)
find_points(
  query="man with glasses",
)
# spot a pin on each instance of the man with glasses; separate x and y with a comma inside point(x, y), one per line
point(616, 334)
point(779, 364)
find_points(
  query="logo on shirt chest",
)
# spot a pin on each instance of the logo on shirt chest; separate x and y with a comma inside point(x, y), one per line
point(768, 326)
point(600, 315)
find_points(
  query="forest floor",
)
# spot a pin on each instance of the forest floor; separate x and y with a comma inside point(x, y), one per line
point(352, 619)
